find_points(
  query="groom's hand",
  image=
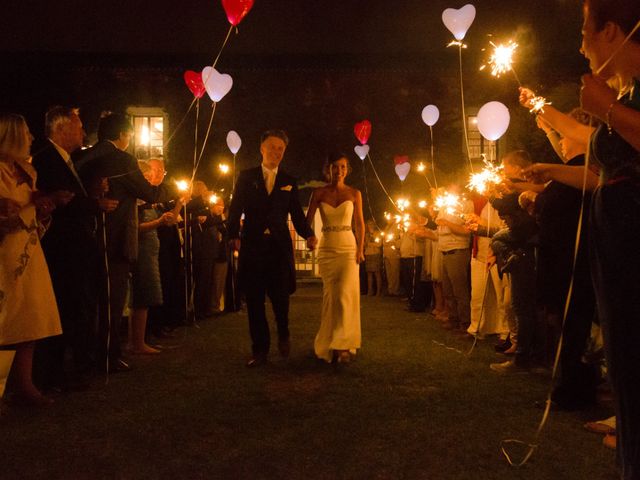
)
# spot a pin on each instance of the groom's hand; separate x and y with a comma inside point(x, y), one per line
point(312, 242)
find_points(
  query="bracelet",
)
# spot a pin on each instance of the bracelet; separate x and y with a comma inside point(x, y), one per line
point(607, 117)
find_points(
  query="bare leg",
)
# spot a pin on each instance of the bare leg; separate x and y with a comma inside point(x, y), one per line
point(370, 284)
point(378, 284)
point(20, 377)
point(137, 331)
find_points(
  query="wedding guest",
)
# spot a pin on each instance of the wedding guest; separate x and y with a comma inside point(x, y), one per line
point(28, 310)
point(373, 259)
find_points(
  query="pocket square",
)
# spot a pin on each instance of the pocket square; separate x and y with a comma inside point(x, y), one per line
point(286, 188)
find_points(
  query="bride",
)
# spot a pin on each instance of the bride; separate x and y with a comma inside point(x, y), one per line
point(339, 254)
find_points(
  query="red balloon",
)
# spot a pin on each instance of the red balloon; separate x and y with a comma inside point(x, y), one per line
point(400, 159)
point(194, 83)
point(236, 10)
point(362, 131)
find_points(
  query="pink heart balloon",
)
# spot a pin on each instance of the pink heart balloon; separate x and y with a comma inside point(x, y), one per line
point(194, 83)
point(400, 159)
point(362, 151)
point(402, 170)
point(236, 10)
point(458, 21)
point(363, 131)
point(217, 84)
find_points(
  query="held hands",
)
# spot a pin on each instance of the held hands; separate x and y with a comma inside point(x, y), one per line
point(61, 197)
point(168, 218)
point(596, 96)
point(538, 173)
point(107, 204)
point(9, 209)
point(44, 204)
point(234, 243)
point(312, 242)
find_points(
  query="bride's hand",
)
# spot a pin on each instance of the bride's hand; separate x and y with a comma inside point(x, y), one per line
point(359, 257)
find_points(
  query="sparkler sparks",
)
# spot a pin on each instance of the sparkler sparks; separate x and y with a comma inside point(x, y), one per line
point(448, 202)
point(224, 168)
point(537, 105)
point(489, 176)
point(501, 59)
point(182, 185)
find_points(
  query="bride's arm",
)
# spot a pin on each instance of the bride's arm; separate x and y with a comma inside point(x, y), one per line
point(313, 206)
point(358, 220)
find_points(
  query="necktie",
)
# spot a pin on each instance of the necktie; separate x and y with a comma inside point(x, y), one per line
point(75, 174)
point(270, 180)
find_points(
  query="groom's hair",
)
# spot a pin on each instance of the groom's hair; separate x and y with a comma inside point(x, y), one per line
point(281, 134)
point(331, 159)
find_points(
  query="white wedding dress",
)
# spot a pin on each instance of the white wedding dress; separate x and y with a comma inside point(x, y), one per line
point(340, 318)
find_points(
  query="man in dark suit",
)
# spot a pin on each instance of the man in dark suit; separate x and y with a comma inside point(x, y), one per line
point(266, 196)
point(71, 251)
point(126, 184)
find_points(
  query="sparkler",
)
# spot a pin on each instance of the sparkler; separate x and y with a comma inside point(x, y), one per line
point(213, 199)
point(224, 168)
point(183, 185)
point(501, 60)
point(489, 176)
point(449, 202)
point(537, 105)
point(422, 204)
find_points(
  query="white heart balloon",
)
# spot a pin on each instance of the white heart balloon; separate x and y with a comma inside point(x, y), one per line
point(234, 142)
point(362, 151)
point(217, 84)
point(493, 120)
point(458, 21)
point(430, 115)
point(402, 170)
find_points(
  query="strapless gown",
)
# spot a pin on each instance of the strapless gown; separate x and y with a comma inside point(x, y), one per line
point(340, 317)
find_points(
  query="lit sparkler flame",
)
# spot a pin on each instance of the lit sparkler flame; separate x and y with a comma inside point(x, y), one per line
point(456, 43)
point(448, 202)
point(537, 104)
point(501, 59)
point(422, 204)
point(224, 168)
point(490, 175)
point(213, 199)
point(182, 185)
point(421, 167)
point(403, 204)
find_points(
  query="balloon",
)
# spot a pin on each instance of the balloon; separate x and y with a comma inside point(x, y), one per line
point(493, 120)
point(217, 84)
point(459, 21)
point(400, 159)
point(194, 83)
point(236, 10)
point(362, 151)
point(362, 131)
point(402, 170)
point(234, 142)
point(430, 115)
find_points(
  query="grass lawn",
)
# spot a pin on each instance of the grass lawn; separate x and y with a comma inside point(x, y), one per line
point(408, 408)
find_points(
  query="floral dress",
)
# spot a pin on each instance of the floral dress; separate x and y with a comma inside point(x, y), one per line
point(28, 309)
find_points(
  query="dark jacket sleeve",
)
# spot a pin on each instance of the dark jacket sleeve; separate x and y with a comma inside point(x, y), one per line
point(237, 206)
point(297, 215)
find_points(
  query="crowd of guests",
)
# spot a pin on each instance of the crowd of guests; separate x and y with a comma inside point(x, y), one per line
point(91, 237)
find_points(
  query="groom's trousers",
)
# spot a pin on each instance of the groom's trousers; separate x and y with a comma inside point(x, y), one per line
point(268, 274)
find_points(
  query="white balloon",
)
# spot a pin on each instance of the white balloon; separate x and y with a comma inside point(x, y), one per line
point(459, 21)
point(430, 115)
point(234, 142)
point(402, 170)
point(217, 84)
point(362, 151)
point(493, 120)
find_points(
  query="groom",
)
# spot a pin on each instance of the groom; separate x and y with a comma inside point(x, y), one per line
point(267, 195)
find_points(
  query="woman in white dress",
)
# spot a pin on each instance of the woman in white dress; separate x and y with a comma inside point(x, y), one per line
point(339, 254)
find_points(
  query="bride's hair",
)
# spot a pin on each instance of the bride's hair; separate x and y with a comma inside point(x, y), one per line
point(331, 159)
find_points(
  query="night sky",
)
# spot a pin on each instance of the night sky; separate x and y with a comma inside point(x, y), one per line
point(355, 27)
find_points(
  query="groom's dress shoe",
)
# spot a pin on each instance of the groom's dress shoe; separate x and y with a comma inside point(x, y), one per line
point(256, 361)
point(284, 347)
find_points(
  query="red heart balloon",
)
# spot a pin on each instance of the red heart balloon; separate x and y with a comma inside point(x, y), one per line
point(362, 131)
point(400, 159)
point(236, 10)
point(194, 83)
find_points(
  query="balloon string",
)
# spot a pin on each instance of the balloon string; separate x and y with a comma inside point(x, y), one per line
point(195, 139)
point(617, 50)
point(180, 122)
point(433, 164)
point(464, 114)
point(366, 192)
point(567, 305)
point(381, 185)
point(224, 44)
point(204, 144)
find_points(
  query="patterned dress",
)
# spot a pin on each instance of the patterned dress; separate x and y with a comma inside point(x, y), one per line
point(28, 309)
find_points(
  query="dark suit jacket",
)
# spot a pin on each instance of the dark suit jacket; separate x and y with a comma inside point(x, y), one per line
point(73, 223)
point(127, 185)
point(263, 211)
